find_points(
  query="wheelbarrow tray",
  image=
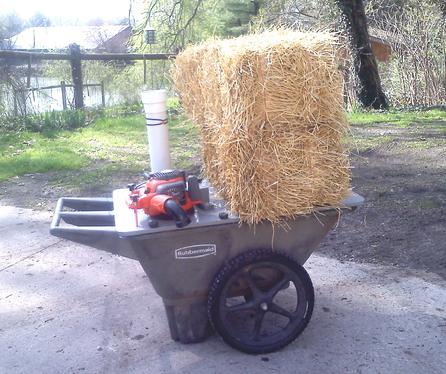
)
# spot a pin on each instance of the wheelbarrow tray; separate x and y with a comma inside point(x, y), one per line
point(182, 262)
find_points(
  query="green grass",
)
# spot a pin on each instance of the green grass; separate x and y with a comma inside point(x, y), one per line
point(362, 144)
point(397, 118)
point(115, 143)
point(24, 152)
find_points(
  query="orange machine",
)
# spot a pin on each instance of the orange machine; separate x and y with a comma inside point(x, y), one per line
point(165, 193)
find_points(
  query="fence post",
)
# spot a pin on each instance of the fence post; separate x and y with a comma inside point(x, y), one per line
point(24, 104)
point(103, 94)
point(76, 74)
point(16, 111)
point(63, 89)
point(28, 76)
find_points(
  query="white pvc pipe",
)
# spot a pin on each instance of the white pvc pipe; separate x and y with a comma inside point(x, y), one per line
point(156, 120)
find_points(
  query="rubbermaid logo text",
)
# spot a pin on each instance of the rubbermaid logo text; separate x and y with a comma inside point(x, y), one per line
point(195, 251)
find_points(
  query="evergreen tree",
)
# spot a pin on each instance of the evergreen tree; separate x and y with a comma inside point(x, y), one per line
point(238, 15)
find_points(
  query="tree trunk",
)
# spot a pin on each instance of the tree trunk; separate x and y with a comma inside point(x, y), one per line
point(370, 92)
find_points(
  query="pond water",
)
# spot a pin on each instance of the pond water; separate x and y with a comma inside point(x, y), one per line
point(49, 99)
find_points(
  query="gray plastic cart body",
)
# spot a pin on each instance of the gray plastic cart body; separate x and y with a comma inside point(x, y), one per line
point(181, 263)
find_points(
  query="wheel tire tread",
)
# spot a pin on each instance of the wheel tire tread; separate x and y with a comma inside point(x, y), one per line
point(236, 263)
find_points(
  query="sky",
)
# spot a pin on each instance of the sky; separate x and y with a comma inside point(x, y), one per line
point(81, 10)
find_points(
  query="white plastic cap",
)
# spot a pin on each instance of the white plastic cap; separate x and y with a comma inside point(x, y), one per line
point(153, 96)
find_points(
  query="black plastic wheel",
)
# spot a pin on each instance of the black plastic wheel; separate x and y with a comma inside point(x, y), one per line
point(260, 301)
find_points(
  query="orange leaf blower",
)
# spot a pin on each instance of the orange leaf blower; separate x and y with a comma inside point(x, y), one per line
point(166, 194)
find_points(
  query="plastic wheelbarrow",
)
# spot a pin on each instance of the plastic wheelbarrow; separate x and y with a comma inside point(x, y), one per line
point(246, 282)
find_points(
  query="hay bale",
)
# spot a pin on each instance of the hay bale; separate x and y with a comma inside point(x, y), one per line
point(270, 111)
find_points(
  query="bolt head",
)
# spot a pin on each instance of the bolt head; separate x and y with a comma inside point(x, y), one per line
point(264, 306)
point(223, 215)
point(153, 224)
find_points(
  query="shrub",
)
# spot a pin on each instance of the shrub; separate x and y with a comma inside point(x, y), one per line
point(47, 121)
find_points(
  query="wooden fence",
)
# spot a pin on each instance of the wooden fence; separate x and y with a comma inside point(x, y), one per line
point(63, 90)
point(75, 57)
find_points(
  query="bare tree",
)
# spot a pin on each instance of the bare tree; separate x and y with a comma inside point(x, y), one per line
point(313, 14)
point(10, 76)
point(370, 92)
point(173, 20)
point(416, 74)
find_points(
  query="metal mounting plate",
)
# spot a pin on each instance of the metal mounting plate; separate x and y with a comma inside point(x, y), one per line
point(126, 225)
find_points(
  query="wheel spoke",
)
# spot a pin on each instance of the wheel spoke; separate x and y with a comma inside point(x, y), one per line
point(258, 324)
point(274, 308)
point(275, 289)
point(240, 307)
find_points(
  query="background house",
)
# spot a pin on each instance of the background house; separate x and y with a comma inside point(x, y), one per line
point(380, 41)
point(112, 38)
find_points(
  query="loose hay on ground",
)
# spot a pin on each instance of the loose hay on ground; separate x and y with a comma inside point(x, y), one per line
point(270, 111)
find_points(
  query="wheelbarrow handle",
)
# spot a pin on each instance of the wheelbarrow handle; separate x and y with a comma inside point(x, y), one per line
point(88, 213)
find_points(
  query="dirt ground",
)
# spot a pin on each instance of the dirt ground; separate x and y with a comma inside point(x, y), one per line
point(403, 221)
point(400, 171)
